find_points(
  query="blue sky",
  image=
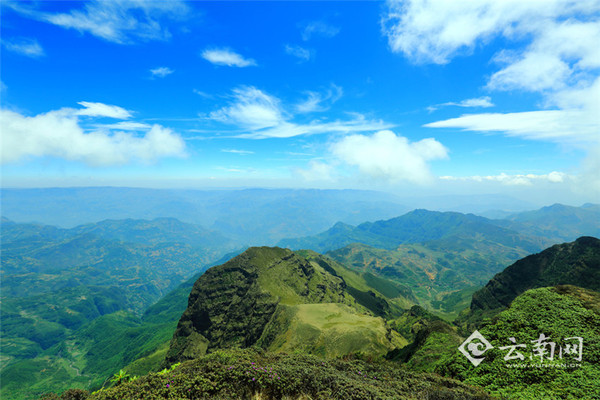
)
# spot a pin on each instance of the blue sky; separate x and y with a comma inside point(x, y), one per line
point(411, 97)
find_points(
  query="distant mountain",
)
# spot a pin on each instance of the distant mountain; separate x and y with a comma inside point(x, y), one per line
point(159, 230)
point(414, 227)
point(280, 301)
point(249, 216)
point(441, 256)
point(557, 222)
point(442, 278)
point(575, 263)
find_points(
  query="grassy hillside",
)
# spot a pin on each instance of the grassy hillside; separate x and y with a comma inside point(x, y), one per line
point(276, 299)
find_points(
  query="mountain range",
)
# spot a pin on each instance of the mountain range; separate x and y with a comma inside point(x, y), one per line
point(249, 320)
point(84, 302)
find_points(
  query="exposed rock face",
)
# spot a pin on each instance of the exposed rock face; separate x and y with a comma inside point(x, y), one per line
point(231, 304)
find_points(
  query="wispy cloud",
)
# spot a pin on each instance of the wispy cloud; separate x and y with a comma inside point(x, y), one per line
point(161, 72)
point(298, 51)
point(480, 102)
point(513, 180)
point(251, 109)
point(319, 28)
point(236, 151)
point(262, 116)
point(59, 133)
point(203, 94)
point(125, 126)
point(25, 46)
point(117, 21)
point(227, 58)
point(574, 127)
point(102, 110)
point(320, 101)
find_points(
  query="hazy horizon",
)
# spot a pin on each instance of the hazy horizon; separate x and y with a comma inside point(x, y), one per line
point(468, 98)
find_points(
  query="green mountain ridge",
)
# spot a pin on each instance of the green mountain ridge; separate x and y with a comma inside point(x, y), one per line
point(418, 226)
point(575, 263)
point(278, 300)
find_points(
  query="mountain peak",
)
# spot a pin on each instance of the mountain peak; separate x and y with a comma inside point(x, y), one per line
point(232, 304)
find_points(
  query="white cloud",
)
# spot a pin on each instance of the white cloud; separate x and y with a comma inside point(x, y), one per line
point(236, 151)
point(252, 109)
point(58, 133)
point(320, 101)
point(559, 53)
point(555, 53)
point(102, 110)
point(227, 57)
point(297, 51)
point(287, 129)
point(319, 28)
point(262, 116)
point(118, 21)
point(161, 72)
point(437, 30)
point(385, 155)
point(483, 102)
point(513, 180)
point(25, 46)
point(573, 127)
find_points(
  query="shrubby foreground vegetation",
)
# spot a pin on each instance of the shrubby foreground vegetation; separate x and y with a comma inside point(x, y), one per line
point(254, 374)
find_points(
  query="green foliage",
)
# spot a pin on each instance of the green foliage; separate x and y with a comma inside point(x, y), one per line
point(120, 377)
point(576, 263)
point(558, 313)
point(245, 374)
